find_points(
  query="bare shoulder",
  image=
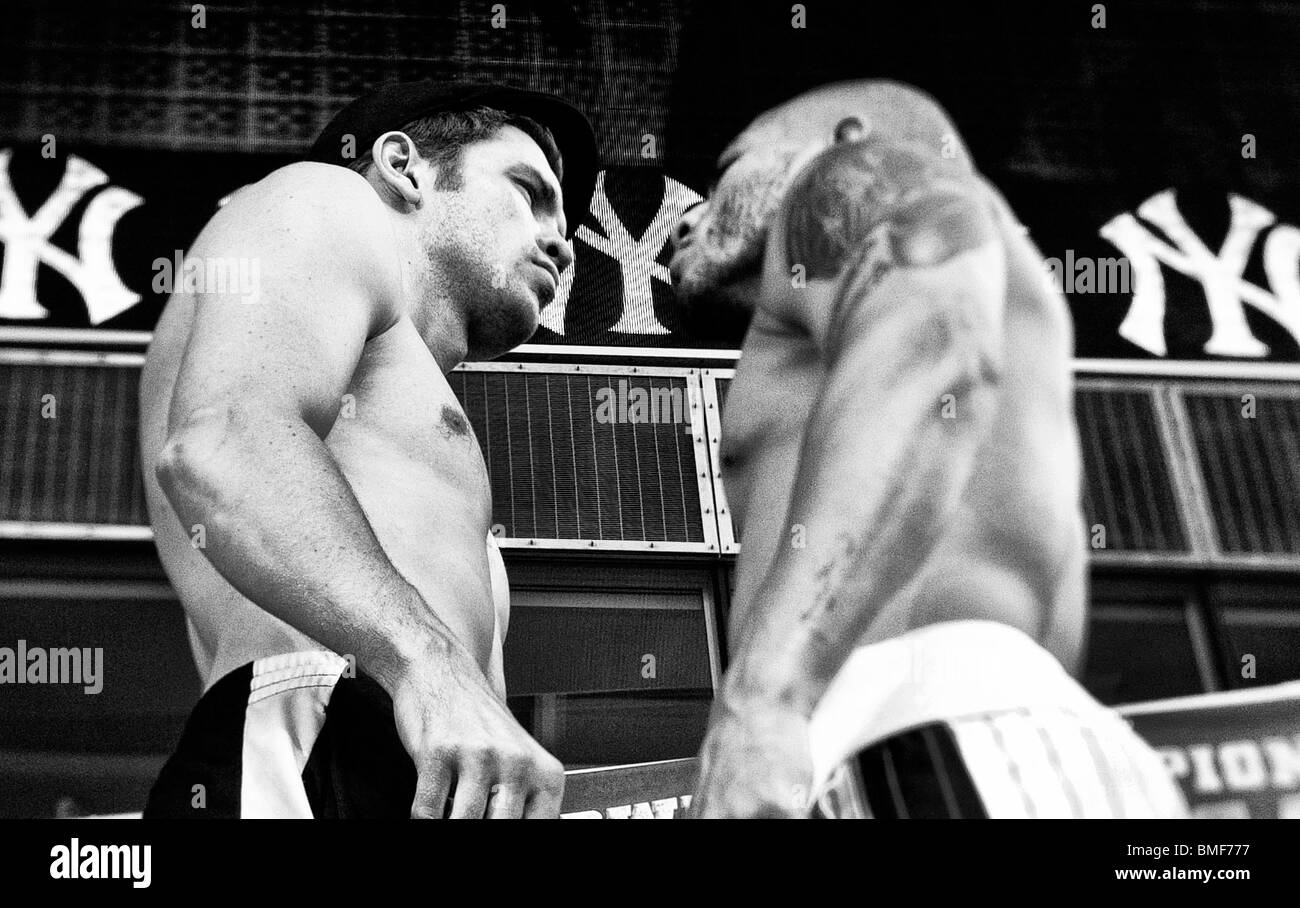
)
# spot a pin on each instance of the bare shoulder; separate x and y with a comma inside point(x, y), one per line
point(857, 193)
point(326, 189)
point(861, 211)
point(312, 198)
point(321, 213)
point(312, 229)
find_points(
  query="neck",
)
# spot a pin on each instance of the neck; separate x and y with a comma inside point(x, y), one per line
point(441, 326)
point(429, 303)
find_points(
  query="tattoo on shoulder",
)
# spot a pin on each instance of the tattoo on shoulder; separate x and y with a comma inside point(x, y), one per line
point(878, 205)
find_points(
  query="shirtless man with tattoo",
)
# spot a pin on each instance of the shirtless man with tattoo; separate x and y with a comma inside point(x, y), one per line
point(900, 455)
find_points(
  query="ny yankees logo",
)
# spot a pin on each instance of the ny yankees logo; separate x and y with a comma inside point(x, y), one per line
point(636, 258)
point(27, 243)
point(1220, 274)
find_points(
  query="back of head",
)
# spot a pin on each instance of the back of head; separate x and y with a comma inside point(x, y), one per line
point(891, 110)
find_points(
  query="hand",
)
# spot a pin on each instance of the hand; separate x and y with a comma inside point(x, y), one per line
point(462, 736)
point(754, 763)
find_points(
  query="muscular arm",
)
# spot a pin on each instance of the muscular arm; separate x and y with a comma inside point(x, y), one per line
point(909, 327)
point(260, 385)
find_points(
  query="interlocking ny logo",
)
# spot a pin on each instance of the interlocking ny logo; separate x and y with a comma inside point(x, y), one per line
point(27, 243)
point(1219, 273)
point(636, 258)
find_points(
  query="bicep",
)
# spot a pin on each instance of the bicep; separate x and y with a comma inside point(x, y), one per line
point(287, 353)
point(291, 350)
point(894, 325)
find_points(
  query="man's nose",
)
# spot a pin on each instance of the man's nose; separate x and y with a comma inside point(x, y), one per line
point(685, 228)
point(558, 250)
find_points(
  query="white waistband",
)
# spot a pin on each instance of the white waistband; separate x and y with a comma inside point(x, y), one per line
point(935, 673)
point(287, 666)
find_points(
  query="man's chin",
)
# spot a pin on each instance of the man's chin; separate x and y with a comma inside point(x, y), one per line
point(502, 336)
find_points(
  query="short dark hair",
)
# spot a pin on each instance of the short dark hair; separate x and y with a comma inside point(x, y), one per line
point(441, 138)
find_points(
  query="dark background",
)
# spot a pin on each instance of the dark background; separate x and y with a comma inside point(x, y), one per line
point(1075, 123)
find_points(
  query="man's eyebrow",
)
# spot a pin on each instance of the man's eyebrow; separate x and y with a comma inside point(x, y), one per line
point(544, 189)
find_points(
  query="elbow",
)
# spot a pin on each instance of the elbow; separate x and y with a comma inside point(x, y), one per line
point(187, 465)
point(180, 472)
point(170, 466)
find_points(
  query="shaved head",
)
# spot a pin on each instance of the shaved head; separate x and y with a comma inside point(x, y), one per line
point(902, 112)
point(721, 242)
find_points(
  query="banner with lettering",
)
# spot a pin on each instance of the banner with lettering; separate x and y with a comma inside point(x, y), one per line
point(1150, 153)
point(93, 238)
point(1151, 271)
point(1236, 755)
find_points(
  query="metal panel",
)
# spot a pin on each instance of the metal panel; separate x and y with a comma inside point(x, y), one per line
point(1265, 639)
point(1138, 651)
point(1244, 442)
point(623, 485)
point(598, 641)
point(715, 383)
point(69, 451)
point(633, 478)
point(1129, 485)
point(1189, 369)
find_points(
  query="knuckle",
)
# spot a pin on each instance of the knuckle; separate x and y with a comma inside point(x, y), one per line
point(479, 755)
point(513, 767)
point(550, 774)
point(439, 756)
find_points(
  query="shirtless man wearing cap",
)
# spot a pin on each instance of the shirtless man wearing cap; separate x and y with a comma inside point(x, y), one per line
point(899, 450)
point(318, 497)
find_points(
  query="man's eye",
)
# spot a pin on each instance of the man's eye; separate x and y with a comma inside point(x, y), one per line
point(529, 192)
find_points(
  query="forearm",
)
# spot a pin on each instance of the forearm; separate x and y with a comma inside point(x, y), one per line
point(281, 524)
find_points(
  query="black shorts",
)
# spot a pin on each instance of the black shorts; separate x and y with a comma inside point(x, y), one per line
point(288, 736)
point(918, 775)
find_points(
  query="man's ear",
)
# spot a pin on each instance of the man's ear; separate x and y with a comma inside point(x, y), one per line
point(851, 129)
point(397, 165)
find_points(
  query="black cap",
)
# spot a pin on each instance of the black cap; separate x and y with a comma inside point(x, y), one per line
point(395, 105)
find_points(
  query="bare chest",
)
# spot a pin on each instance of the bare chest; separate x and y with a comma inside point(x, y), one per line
point(402, 434)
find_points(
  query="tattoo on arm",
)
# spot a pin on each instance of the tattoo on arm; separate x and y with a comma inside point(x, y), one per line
point(876, 543)
point(887, 203)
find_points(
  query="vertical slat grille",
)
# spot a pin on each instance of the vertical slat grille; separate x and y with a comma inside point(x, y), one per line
point(1128, 488)
point(561, 470)
point(1248, 448)
point(557, 470)
point(71, 456)
point(1127, 484)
